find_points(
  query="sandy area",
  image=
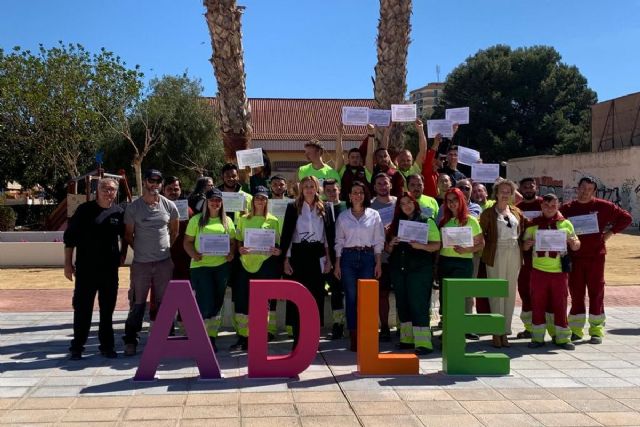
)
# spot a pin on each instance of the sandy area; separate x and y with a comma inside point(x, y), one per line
point(623, 268)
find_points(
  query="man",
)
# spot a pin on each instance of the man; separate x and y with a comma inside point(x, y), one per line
point(406, 165)
point(93, 232)
point(548, 276)
point(379, 161)
point(451, 167)
point(444, 183)
point(354, 169)
point(531, 207)
point(278, 186)
point(151, 227)
point(464, 185)
point(480, 196)
point(313, 151)
point(428, 205)
point(333, 207)
point(385, 204)
point(231, 184)
point(430, 168)
point(181, 261)
point(588, 262)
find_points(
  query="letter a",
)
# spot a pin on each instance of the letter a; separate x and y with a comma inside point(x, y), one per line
point(178, 297)
point(370, 361)
point(261, 365)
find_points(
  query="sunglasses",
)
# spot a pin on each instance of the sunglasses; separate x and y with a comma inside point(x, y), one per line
point(464, 187)
point(154, 180)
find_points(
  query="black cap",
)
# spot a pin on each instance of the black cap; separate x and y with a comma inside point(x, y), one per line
point(214, 193)
point(150, 173)
point(261, 191)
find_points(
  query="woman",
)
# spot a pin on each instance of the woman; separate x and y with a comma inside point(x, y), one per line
point(502, 226)
point(457, 261)
point(411, 266)
point(209, 273)
point(359, 245)
point(256, 263)
point(304, 240)
point(197, 198)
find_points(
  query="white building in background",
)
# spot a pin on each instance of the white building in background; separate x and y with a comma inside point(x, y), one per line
point(426, 97)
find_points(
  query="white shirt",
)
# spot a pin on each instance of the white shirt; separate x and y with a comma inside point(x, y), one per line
point(504, 231)
point(353, 232)
point(309, 226)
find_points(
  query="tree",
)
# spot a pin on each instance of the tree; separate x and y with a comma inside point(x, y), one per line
point(234, 112)
point(523, 102)
point(52, 105)
point(390, 83)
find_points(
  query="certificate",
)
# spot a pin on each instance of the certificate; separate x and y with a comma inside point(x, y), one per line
point(412, 231)
point(183, 209)
point(386, 214)
point(585, 224)
point(252, 158)
point(551, 241)
point(403, 112)
point(485, 172)
point(456, 236)
point(233, 201)
point(259, 240)
point(468, 156)
point(277, 207)
point(457, 115)
point(443, 127)
point(214, 244)
point(380, 118)
point(532, 214)
point(356, 116)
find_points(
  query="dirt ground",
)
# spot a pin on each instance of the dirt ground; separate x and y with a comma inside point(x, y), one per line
point(622, 268)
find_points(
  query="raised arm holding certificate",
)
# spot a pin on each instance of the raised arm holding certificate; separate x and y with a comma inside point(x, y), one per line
point(457, 115)
point(183, 209)
point(214, 244)
point(233, 202)
point(252, 158)
point(259, 240)
point(403, 112)
point(585, 224)
point(485, 172)
point(468, 156)
point(380, 118)
point(456, 236)
point(412, 231)
point(355, 116)
point(551, 241)
point(443, 127)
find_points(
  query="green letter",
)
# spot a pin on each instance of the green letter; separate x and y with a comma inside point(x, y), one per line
point(456, 323)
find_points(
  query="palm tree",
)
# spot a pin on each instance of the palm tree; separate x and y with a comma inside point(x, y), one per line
point(390, 84)
point(234, 112)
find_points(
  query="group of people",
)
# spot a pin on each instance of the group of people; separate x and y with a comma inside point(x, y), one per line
point(344, 224)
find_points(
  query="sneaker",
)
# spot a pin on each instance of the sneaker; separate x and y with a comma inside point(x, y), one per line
point(130, 349)
point(337, 331)
point(385, 334)
point(109, 354)
point(524, 335)
point(567, 346)
point(472, 337)
point(535, 344)
point(423, 350)
point(575, 337)
point(404, 346)
point(75, 355)
point(595, 340)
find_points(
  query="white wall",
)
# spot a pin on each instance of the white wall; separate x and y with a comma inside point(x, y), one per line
point(617, 173)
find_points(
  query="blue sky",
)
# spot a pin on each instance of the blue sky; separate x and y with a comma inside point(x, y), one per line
point(326, 49)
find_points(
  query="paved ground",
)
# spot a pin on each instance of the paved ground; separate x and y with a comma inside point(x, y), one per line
point(594, 385)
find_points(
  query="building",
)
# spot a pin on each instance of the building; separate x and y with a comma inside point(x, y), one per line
point(282, 126)
point(426, 98)
point(615, 123)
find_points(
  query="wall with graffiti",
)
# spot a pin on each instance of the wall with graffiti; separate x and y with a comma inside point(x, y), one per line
point(617, 173)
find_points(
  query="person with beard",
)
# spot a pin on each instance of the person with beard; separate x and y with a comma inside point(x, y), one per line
point(152, 224)
point(379, 161)
point(548, 280)
point(197, 197)
point(313, 151)
point(587, 271)
point(428, 205)
point(451, 168)
point(411, 272)
point(531, 207)
point(480, 196)
point(172, 190)
point(406, 165)
point(354, 169)
point(93, 233)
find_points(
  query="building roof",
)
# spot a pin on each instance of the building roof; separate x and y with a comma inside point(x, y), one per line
point(287, 119)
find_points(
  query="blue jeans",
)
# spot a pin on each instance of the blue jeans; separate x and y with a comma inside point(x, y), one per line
point(354, 265)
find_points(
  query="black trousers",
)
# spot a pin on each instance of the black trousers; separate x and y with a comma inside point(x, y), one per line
point(87, 285)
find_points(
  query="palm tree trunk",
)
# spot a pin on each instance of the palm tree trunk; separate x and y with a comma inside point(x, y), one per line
point(234, 112)
point(390, 83)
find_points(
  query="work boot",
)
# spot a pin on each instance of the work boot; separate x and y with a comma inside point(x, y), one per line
point(130, 349)
point(595, 340)
point(241, 344)
point(567, 346)
point(270, 336)
point(524, 335)
point(421, 351)
point(404, 346)
point(385, 334)
point(109, 354)
point(575, 337)
point(75, 355)
point(337, 331)
point(535, 344)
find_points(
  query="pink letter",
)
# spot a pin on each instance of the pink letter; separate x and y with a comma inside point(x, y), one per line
point(178, 298)
point(261, 365)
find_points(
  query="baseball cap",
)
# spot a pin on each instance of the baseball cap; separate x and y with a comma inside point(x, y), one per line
point(261, 191)
point(214, 193)
point(150, 173)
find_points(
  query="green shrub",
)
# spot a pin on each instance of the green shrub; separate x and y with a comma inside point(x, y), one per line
point(7, 218)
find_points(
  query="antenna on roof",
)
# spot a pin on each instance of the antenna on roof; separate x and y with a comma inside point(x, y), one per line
point(438, 73)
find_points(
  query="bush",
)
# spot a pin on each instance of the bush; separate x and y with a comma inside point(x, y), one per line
point(33, 217)
point(7, 218)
